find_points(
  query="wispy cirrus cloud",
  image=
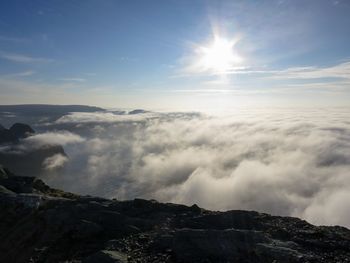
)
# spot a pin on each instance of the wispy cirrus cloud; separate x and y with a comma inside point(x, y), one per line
point(73, 79)
point(341, 70)
point(20, 58)
point(26, 73)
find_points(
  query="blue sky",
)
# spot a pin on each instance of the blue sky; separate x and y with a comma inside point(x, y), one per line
point(150, 53)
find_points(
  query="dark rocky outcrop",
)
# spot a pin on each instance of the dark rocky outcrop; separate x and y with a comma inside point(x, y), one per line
point(137, 111)
point(31, 161)
point(41, 224)
point(30, 157)
point(16, 132)
point(7, 137)
point(21, 130)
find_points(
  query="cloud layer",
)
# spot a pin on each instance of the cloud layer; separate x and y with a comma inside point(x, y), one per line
point(53, 138)
point(281, 162)
point(55, 161)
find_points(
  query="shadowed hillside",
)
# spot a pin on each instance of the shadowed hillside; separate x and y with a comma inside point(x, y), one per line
point(41, 224)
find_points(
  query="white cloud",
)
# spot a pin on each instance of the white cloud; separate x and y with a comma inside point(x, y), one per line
point(338, 71)
point(54, 162)
point(53, 138)
point(23, 58)
point(341, 70)
point(22, 74)
point(25, 73)
point(282, 162)
point(102, 117)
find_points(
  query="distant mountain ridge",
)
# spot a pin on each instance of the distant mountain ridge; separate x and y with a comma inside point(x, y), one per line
point(42, 109)
point(39, 113)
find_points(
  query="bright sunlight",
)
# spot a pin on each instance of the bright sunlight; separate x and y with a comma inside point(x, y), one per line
point(219, 56)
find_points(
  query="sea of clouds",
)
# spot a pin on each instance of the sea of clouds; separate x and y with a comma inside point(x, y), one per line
point(279, 161)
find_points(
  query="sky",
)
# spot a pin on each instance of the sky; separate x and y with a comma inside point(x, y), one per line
point(176, 54)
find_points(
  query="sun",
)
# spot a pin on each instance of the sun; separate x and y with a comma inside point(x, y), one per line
point(219, 56)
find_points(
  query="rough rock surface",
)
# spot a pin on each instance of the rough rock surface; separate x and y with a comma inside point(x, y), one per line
point(41, 224)
point(16, 132)
point(14, 152)
point(137, 111)
point(6, 136)
point(21, 130)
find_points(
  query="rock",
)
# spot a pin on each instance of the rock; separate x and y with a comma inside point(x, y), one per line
point(138, 111)
point(35, 160)
point(49, 225)
point(106, 256)
point(32, 185)
point(31, 160)
point(4, 173)
point(198, 245)
point(18, 184)
point(86, 229)
point(21, 130)
point(5, 191)
point(7, 137)
point(16, 132)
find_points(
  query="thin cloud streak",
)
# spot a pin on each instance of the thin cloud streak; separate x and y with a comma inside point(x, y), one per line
point(19, 74)
point(73, 79)
point(341, 70)
point(19, 58)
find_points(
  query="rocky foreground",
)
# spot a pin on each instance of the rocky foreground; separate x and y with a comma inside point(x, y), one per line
point(41, 224)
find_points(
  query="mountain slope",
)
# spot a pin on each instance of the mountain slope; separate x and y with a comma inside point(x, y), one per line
point(40, 224)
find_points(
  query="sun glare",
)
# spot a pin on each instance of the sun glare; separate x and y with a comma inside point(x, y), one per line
point(219, 56)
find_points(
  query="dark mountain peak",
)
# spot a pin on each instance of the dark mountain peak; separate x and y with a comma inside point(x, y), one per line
point(16, 132)
point(21, 130)
point(137, 111)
